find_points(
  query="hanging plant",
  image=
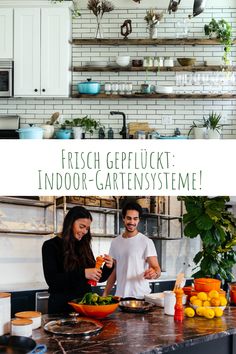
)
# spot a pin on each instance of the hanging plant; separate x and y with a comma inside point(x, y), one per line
point(75, 9)
point(223, 31)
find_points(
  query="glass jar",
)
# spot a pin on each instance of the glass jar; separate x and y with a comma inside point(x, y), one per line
point(148, 62)
point(168, 61)
point(158, 62)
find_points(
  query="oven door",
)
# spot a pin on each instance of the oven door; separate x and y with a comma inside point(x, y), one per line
point(6, 82)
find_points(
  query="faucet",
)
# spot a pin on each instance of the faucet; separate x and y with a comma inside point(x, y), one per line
point(123, 131)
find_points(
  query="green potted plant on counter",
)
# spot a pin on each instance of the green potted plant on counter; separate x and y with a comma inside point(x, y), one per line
point(214, 126)
point(199, 129)
point(85, 125)
point(223, 31)
point(210, 219)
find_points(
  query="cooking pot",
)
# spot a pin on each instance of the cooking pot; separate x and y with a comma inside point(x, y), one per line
point(198, 7)
point(63, 134)
point(89, 87)
point(30, 133)
point(20, 345)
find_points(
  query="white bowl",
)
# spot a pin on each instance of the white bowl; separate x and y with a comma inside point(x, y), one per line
point(163, 89)
point(123, 60)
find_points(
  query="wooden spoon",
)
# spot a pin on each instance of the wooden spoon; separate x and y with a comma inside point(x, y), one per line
point(179, 279)
point(53, 118)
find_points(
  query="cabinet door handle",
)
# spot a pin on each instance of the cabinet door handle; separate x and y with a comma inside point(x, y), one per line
point(35, 90)
point(43, 90)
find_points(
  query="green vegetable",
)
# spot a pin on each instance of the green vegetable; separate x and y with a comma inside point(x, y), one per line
point(95, 299)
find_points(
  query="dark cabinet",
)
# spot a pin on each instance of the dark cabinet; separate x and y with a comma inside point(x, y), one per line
point(159, 286)
point(22, 301)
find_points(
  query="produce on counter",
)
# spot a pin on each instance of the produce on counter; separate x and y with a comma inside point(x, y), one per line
point(95, 299)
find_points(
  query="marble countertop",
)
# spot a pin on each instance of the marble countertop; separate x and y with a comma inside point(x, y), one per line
point(149, 333)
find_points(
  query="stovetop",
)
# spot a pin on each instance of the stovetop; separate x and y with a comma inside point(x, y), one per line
point(8, 126)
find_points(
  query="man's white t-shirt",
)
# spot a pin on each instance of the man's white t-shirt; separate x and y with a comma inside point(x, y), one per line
point(130, 255)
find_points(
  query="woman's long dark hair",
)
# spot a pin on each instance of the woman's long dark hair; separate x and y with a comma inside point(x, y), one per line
point(76, 253)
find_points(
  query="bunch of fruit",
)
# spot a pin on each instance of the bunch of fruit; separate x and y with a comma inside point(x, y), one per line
point(206, 304)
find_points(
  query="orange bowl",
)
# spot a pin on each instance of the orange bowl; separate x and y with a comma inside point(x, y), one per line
point(206, 284)
point(94, 311)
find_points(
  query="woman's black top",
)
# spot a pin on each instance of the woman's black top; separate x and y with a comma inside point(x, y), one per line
point(64, 285)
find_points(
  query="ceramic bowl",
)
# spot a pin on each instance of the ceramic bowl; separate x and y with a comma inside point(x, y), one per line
point(206, 284)
point(123, 60)
point(163, 89)
point(94, 311)
point(186, 61)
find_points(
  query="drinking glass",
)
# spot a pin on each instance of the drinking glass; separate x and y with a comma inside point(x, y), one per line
point(107, 88)
point(115, 88)
point(121, 88)
point(128, 88)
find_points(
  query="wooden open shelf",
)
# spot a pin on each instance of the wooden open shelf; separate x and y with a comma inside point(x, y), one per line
point(26, 232)
point(146, 41)
point(158, 96)
point(25, 201)
point(191, 68)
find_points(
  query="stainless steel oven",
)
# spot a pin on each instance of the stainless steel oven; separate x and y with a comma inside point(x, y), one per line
point(6, 78)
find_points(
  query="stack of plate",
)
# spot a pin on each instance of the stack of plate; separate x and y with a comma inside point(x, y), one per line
point(97, 63)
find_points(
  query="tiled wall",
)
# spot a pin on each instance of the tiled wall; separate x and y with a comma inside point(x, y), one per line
point(182, 112)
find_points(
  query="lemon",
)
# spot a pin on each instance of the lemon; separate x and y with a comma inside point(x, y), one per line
point(206, 303)
point(197, 302)
point(213, 294)
point(189, 312)
point(223, 301)
point(218, 312)
point(192, 298)
point(209, 313)
point(200, 311)
point(202, 296)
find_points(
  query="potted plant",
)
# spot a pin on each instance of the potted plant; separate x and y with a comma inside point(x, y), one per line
point(214, 126)
point(223, 31)
point(210, 219)
point(199, 129)
point(99, 8)
point(77, 129)
point(88, 125)
point(152, 18)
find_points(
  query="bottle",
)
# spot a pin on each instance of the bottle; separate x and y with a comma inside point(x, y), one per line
point(179, 310)
point(110, 133)
point(101, 133)
point(177, 132)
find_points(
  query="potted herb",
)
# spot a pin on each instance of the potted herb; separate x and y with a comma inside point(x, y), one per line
point(88, 125)
point(152, 19)
point(210, 219)
point(214, 126)
point(223, 31)
point(199, 129)
point(75, 124)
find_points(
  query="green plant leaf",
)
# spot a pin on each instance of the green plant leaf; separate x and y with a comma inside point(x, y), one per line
point(204, 222)
point(198, 257)
point(191, 230)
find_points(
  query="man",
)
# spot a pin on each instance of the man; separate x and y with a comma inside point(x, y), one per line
point(134, 256)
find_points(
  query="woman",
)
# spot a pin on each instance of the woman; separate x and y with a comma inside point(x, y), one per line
point(68, 261)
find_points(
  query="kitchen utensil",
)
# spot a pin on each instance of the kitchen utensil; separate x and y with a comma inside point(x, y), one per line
point(35, 316)
point(137, 63)
point(163, 89)
point(53, 118)
point(95, 311)
point(123, 60)
point(30, 133)
point(89, 87)
point(80, 326)
point(21, 327)
point(20, 345)
point(5, 313)
point(179, 281)
point(138, 306)
point(207, 284)
point(186, 61)
point(198, 7)
point(63, 134)
point(48, 131)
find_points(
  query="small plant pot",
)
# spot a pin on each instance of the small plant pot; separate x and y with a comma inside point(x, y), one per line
point(214, 134)
point(63, 134)
point(77, 132)
point(199, 132)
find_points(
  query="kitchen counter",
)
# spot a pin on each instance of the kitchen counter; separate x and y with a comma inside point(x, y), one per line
point(150, 333)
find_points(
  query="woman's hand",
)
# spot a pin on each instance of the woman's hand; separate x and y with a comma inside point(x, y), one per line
point(108, 260)
point(93, 274)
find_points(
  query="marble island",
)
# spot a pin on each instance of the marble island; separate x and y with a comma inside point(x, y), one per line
point(149, 333)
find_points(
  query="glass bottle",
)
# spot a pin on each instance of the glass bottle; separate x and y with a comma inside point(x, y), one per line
point(110, 133)
point(101, 133)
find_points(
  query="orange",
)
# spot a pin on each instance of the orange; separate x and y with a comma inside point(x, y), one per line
point(215, 302)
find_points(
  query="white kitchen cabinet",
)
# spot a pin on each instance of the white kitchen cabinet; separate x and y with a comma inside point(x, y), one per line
point(6, 33)
point(41, 52)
